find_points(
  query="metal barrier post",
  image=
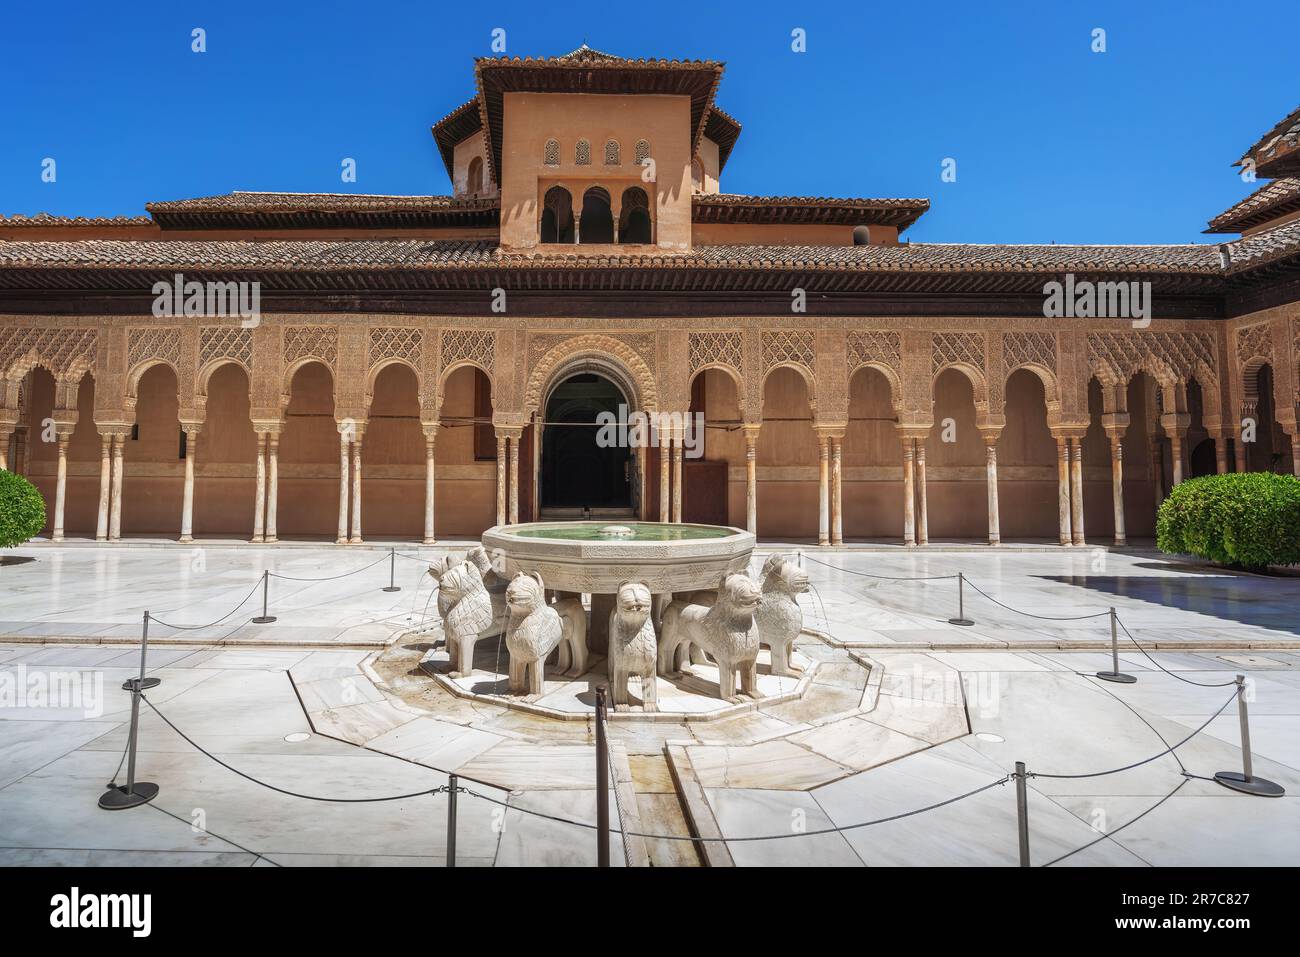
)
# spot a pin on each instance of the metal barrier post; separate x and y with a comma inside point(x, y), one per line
point(961, 618)
point(1115, 674)
point(602, 782)
point(453, 785)
point(1022, 813)
point(264, 618)
point(1246, 782)
point(392, 571)
point(135, 792)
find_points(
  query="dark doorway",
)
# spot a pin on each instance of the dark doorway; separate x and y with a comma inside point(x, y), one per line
point(578, 471)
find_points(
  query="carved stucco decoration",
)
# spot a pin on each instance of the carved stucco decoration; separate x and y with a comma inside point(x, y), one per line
point(789, 347)
point(310, 342)
point(218, 344)
point(387, 343)
point(879, 350)
point(66, 353)
point(1169, 357)
point(643, 344)
point(149, 345)
point(477, 346)
point(717, 349)
point(1255, 343)
point(599, 347)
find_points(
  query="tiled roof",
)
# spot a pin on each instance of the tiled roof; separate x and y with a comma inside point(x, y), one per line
point(456, 127)
point(251, 210)
point(1276, 152)
point(1264, 247)
point(724, 130)
point(1278, 198)
point(46, 219)
point(247, 201)
point(740, 208)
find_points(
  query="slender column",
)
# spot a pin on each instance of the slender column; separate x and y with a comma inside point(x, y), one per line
point(823, 491)
point(187, 497)
point(909, 495)
point(1238, 446)
point(1221, 453)
point(355, 539)
point(991, 472)
point(1117, 485)
point(665, 475)
point(751, 480)
point(1158, 468)
point(1176, 443)
point(501, 478)
point(1295, 455)
point(512, 446)
point(272, 484)
point(105, 484)
point(115, 507)
point(837, 489)
point(677, 475)
point(1076, 491)
point(923, 509)
point(5, 438)
point(259, 499)
point(343, 488)
point(428, 488)
point(61, 486)
point(1063, 488)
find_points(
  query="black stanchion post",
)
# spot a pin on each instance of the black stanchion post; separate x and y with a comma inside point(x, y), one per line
point(961, 618)
point(1115, 674)
point(453, 785)
point(602, 782)
point(392, 571)
point(1022, 813)
point(1246, 782)
point(264, 618)
point(135, 792)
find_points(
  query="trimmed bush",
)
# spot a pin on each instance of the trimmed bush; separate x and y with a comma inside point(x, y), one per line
point(22, 510)
point(1247, 519)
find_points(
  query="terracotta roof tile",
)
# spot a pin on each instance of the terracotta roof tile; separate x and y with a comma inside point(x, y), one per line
point(46, 219)
point(248, 201)
point(1278, 198)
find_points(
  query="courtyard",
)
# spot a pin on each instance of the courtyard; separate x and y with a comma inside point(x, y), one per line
point(901, 713)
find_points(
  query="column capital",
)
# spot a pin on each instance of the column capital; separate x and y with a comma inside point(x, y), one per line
point(430, 429)
point(192, 428)
point(908, 432)
point(990, 436)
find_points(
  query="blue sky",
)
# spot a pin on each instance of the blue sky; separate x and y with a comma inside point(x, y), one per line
point(1053, 143)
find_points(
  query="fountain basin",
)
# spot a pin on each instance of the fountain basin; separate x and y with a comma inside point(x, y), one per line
point(583, 557)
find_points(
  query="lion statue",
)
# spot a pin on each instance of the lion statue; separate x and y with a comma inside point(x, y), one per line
point(632, 646)
point(573, 649)
point(724, 630)
point(779, 617)
point(533, 633)
point(494, 583)
point(466, 612)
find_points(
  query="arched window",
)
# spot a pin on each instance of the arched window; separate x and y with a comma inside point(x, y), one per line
point(697, 177)
point(634, 219)
point(597, 224)
point(475, 178)
point(612, 153)
point(582, 153)
point(640, 152)
point(551, 154)
point(557, 216)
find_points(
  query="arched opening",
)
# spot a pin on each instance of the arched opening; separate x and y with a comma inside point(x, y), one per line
point(1027, 473)
point(225, 483)
point(557, 216)
point(787, 459)
point(465, 455)
point(634, 218)
point(872, 486)
point(81, 492)
point(154, 460)
point(955, 461)
point(474, 181)
point(1144, 481)
point(597, 224)
point(583, 465)
point(1200, 446)
point(308, 496)
point(392, 475)
point(707, 494)
point(1271, 450)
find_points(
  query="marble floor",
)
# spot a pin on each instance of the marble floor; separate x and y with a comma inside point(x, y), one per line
point(323, 702)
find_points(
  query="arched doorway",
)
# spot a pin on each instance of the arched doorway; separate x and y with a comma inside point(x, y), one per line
point(580, 468)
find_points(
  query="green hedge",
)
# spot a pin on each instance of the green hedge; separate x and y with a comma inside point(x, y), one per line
point(1248, 519)
point(22, 510)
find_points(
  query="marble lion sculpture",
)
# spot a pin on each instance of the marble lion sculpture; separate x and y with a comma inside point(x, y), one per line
point(466, 611)
point(779, 617)
point(725, 630)
point(632, 646)
point(573, 649)
point(534, 632)
point(494, 583)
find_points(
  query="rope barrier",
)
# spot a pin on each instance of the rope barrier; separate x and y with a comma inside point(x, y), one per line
point(210, 624)
point(1110, 834)
point(888, 578)
point(330, 578)
point(1199, 684)
point(1028, 614)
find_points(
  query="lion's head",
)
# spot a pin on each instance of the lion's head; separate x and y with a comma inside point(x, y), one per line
point(633, 602)
point(737, 593)
point(456, 579)
point(779, 571)
point(525, 594)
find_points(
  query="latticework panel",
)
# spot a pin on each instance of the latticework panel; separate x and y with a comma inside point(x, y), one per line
point(394, 342)
point(1121, 355)
point(226, 342)
point(473, 345)
point(788, 345)
point(147, 343)
point(1029, 348)
point(58, 349)
point(1255, 342)
point(708, 348)
point(885, 348)
point(957, 347)
point(311, 342)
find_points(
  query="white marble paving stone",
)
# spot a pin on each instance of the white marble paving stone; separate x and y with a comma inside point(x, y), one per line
point(434, 743)
point(858, 744)
point(747, 812)
point(987, 661)
point(1272, 736)
point(359, 723)
point(516, 765)
point(28, 745)
point(779, 765)
point(531, 841)
point(325, 693)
